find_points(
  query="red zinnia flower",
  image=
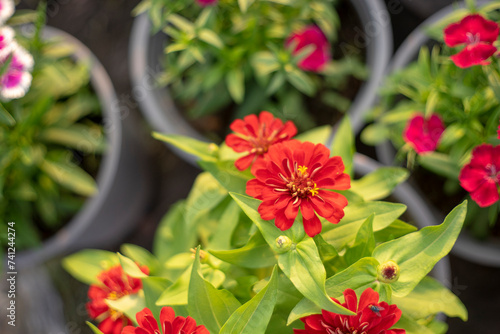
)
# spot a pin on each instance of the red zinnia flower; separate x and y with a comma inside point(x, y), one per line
point(481, 176)
point(371, 317)
point(204, 3)
point(297, 175)
point(311, 35)
point(114, 285)
point(170, 324)
point(423, 134)
point(255, 136)
point(478, 35)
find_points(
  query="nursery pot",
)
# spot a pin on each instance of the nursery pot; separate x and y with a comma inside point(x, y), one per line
point(123, 181)
point(163, 116)
point(467, 247)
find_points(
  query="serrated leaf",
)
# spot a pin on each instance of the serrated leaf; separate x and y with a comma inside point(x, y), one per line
point(417, 253)
point(203, 150)
point(206, 304)
point(380, 183)
point(87, 264)
point(253, 316)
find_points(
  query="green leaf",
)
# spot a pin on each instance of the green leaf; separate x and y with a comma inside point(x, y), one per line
point(440, 164)
point(364, 244)
point(318, 135)
point(255, 254)
point(130, 267)
point(380, 183)
point(264, 63)
point(153, 288)
point(77, 136)
point(418, 252)
point(141, 256)
point(397, 229)
point(411, 326)
point(211, 38)
point(235, 82)
point(181, 23)
point(203, 150)
point(227, 223)
point(87, 264)
point(428, 298)
point(70, 176)
point(339, 235)
point(359, 276)
point(227, 175)
point(94, 329)
point(269, 231)
point(374, 134)
point(304, 268)
point(244, 4)
point(301, 81)
point(206, 193)
point(129, 305)
point(206, 304)
point(177, 293)
point(343, 144)
point(253, 316)
point(5, 117)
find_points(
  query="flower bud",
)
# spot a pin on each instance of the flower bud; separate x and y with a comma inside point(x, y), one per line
point(283, 243)
point(388, 272)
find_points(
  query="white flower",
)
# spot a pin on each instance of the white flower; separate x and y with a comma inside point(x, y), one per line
point(16, 80)
point(6, 41)
point(7, 9)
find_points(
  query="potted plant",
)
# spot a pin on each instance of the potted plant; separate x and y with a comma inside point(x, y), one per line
point(292, 244)
point(448, 119)
point(247, 65)
point(56, 143)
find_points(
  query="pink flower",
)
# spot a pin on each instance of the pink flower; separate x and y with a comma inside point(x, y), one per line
point(6, 41)
point(16, 80)
point(311, 35)
point(423, 134)
point(255, 135)
point(205, 3)
point(481, 176)
point(6, 10)
point(478, 35)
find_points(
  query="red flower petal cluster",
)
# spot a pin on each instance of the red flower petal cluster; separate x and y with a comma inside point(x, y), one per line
point(478, 35)
point(255, 136)
point(423, 134)
point(481, 176)
point(371, 317)
point(114, 284)
point(297, 175)
point(205, 3)
point(320, 56)
point(170, 324)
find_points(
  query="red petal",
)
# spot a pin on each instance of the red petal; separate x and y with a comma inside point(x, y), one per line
point(237, 143)
point(291, 210)
point(146, 320)
point(307, 210)
point(254, 188)
point(167, 315)
point(474, 55)
point(245, 162)
point(486, 194)
point(471, 178)
point(459, 32)
point(267, 210)
point(312, 226)
point(282, 222)
point(128, 330)
point(482, 155)
point(351, 300)
point(369, 296)
point(324, 209)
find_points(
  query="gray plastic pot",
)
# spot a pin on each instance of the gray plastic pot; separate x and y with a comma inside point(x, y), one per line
point(124, 185)
point(467, 247)
point(158, 108)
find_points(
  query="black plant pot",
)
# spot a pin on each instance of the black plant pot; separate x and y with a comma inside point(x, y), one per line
point(161, 113)
point(467, 247)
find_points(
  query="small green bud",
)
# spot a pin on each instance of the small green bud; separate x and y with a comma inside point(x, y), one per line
point(283, 243)
point(388, 272)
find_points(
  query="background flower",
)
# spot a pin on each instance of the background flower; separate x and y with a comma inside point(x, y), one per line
point(6, 40)
point(16, 80)
point(297, 175)
point(481, 176)
point(114, 284)
point(6, 10)
point(255, 136)
point(204, 3)
point(170, 324)
point(311, 35)
point(371, 317)
point(478, 35)
point(423, 134)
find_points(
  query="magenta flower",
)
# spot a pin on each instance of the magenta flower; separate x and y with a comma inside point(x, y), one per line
point(16, 80)
point(6, 10)
point(481, 176)
point(423, 134)
point(311, 35)
point(205, 3)
point(478, 35)
point(6, 41)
